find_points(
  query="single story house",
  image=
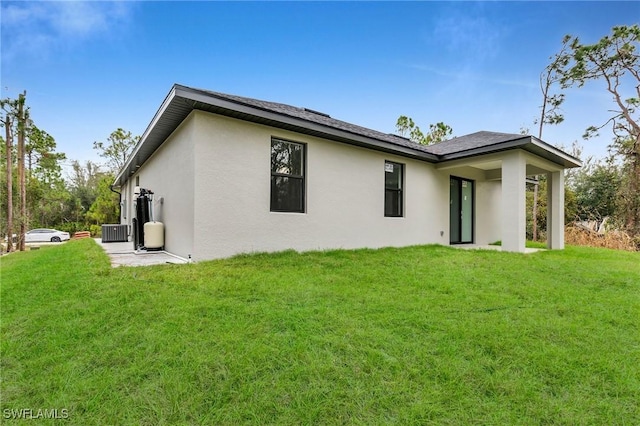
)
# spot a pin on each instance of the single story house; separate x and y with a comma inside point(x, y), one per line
point(232, 175)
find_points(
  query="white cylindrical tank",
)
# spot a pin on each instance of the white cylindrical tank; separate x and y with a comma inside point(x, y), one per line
point(154, 235)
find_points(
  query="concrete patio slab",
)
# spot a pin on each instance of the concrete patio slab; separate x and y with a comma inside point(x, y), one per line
point(123, 254)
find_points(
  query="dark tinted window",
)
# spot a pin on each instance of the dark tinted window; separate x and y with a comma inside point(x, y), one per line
point(287, 176)
point(393, 180)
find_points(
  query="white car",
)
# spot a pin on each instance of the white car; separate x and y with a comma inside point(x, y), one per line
point(45, 235)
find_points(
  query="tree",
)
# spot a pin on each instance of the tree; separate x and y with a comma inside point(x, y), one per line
point(629, 189)
point(83, 185)
point(116, 150)
point(16, 116)
point(615, 60)
point(550, 109)
point(570, 206)
point(437, 132)
point(39, 150)
point(86, 184)
point(549, 114)
point(597, 186)
point(47, 201)
point(105, 207)
point(41, 190)
point(406, 125)
point(22, 187)
point(9, 175)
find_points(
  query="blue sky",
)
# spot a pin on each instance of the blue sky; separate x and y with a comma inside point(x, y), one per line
point(91, 67)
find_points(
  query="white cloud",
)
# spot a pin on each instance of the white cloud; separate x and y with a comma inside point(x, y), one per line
point(471, 76)
point(37, 29)
point(469, 34)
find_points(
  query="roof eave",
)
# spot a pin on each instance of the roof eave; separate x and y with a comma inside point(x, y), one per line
point(568, 161)
point(502, 146)
point(197, 100)
point(129, 167)
point(528, 143)
point(182, 100)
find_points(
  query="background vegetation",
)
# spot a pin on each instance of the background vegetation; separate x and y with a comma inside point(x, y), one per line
point(603, 188)
point(83, 200)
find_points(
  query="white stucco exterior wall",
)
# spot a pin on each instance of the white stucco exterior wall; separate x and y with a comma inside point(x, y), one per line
point(488, 212)
point(344, 194)
point(555, 210)
point(169, 173)
point(514, 171)
point(211, 179)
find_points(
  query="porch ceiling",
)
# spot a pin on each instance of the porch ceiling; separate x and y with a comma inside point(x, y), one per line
point(488, 165)
point(495, 166)
point(491, 165)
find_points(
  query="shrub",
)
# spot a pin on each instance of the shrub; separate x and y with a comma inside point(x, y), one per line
point(72, 227)
point(618, 240)
point(96, 231)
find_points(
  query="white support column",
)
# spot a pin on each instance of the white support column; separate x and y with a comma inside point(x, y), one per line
point(555, 210)
point(514, 219)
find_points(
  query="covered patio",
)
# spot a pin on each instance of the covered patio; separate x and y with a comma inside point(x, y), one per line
point(510, 160)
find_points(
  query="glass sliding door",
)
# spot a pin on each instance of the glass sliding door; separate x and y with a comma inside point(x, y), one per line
point(454, 211)
point(461, 210)
point(466, 211)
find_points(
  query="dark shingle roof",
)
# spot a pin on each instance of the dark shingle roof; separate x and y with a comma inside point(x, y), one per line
point(319, 118)
point(473, 141)
point(182, 100)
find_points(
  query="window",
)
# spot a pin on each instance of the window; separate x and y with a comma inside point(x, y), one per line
point(287, 176)
point(393, 183)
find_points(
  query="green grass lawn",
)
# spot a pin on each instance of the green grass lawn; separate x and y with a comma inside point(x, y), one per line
point(418, 335)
